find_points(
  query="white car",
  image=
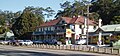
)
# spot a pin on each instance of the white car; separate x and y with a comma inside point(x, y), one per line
point(26, 42)
point(4, 42)
point(82, 41)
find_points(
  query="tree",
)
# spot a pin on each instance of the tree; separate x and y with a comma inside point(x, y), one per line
point(40, 11)
point(107, 9)
point(2, 30)
point(116, 20)
point(31, 18)
point(2, 20)
point(25, 23)
point(75, 9)
point(70, 10)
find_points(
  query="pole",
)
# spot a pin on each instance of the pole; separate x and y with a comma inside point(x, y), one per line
point(87, 23)
point(100, 33)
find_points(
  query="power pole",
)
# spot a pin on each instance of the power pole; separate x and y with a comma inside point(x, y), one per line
point(87, 35)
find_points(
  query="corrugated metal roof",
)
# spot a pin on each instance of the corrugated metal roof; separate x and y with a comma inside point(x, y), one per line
point(68, 20)
point(115, 27)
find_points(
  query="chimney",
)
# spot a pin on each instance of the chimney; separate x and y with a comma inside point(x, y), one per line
point(79, 16)
point(74, 16)
point(100, 22)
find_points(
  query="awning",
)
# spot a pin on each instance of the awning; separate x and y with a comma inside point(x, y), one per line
point(103, 34)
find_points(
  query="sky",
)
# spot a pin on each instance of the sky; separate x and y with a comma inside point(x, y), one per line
point(19, 5)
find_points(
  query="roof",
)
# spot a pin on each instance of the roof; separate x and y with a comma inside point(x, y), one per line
point(115, 27)
point(51, 23)
point(68, 20)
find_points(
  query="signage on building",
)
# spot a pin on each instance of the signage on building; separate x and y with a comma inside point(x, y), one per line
point(68, 32)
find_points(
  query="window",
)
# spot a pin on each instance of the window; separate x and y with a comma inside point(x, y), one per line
point(62, 21)
point(48, 28)
point(94, 27)
point(52, 28)
point(45, 28)
point(63, 27)
point(39, 29)
point(55, 27)
point(80, 26)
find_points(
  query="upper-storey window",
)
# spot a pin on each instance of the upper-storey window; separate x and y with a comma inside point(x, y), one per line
point(63, 27)
point(39, 29)
point(94, 27)
point(63, 22)
point(52, 28)
point(36, 30)
point(48, 28)
point(45, 28)
point(42, 29)
point(80, 26)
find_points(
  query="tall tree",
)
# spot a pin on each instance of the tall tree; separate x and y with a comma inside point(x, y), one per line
point(40, 11)
point(25, 23)
point(76, 8)
point(107, 9)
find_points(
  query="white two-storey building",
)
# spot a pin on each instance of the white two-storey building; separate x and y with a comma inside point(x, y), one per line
point(56, 29)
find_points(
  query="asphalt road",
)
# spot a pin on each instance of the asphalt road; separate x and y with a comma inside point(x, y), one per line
point(22, 51)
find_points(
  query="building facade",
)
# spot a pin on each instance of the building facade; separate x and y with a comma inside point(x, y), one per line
point(56, 29)
point(109, 33)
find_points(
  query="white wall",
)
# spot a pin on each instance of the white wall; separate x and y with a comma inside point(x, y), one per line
point(77, 29)
point(90, 28)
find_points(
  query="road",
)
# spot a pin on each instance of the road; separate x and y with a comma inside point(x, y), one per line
point(23, 51)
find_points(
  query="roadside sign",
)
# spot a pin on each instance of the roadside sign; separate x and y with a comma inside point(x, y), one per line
point(68, 32)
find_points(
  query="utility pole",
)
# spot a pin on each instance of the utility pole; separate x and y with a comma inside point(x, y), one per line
point(87, 36)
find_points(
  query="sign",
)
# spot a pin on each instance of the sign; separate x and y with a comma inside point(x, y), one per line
point(68, 32)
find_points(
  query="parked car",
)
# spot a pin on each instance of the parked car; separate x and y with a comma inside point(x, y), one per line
point(25, 42)
point(12, 42)
point(81, 41)
point(4, 42)
point(37, 42)
point(1, 41)
point(50, 41)
point(53, 41)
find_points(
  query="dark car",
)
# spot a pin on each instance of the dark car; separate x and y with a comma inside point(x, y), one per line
point(50, 41)
point(37, 42)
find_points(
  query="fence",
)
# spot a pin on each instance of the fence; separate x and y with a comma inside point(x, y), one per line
point(103, 50)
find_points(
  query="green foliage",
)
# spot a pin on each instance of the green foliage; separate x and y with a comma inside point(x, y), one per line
point(107, 9)
point(94, 40)
point(76, 8)
point(8, 17)
point(2, 20)
point(2, 30)
point(38, 11)
point(116, 20)
point(25, 23)
point(70, 10)
point(118, 37)
point(117, 44)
